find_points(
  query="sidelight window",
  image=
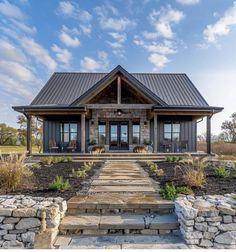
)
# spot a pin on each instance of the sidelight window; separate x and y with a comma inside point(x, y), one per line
point(68, 132)
point(102, 133)
point(172, 131)
point(136, 133)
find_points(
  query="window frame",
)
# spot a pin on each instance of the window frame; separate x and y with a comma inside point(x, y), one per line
point(69, 132)
point(171, 132)
point(136, 124)
point(101, 123)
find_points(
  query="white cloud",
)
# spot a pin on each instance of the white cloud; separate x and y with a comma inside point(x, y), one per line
point(119, 38)
point(40, 54)
point(158, 60)
point(150, 35)
point(164, 19)
point(68, 40)
point(88, 64)
point(113, 23)
point(86, 29)
point(14, 87)
point(72, 9)
point(16, 70)
point(222, 27)
point(11, 10)
point(22, 26)
point(188, 2)
point(63, 55)
point(10, 52)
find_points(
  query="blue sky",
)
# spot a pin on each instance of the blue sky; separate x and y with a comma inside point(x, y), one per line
point(197, 37)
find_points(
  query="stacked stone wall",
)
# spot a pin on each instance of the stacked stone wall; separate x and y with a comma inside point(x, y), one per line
point(208, 221)
point(23, 219)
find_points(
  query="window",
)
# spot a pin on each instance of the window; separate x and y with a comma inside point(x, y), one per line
point(172, 131)
point(68, 132)
point(136, 133)
point(102, 133)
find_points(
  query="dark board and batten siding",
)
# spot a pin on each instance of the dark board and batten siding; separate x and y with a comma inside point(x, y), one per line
point(51, 129)
point(188, 131)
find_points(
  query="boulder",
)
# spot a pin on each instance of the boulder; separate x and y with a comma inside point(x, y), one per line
point(214, 219)
point(7, 226)
point(212, 229)
point(199, 219)
point(189, 213)
point(227, 227)
point(208, 212)
point(226, 209)
point(227, 219)
point(201, 204)
point(26, 223)
point(227, 238)
point(1, 219)
point(6, 211)
point(12, 244)
point(28, 202)
point(201, 226)
point(11, 220)
point(9, 237)
point(28, 237)
point(25, 212)
point(206, 243)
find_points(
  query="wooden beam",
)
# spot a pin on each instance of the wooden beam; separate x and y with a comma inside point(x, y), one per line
point(155, 134)
point(208, 136)
point(83, 133)
point(118, 90)
point(29, 134)
point(119, 106)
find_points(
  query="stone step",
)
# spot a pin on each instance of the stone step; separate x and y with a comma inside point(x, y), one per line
point(121, 189)
point(118, 224)
point(127, 182)
point(117, 202)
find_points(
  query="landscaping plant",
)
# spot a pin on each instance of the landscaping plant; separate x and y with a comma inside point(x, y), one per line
point(221, 172)
point(79, 173)
point(12, 172)
point(154, 168)
point(46, 160)
point(170, 192)
point(59, 184)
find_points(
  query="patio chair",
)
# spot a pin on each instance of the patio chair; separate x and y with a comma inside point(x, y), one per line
point(166, 146)
point(53, 146)
point(71, 146)
point(184, 145)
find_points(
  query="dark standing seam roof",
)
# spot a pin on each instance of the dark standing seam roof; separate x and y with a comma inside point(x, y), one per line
point(173, 89)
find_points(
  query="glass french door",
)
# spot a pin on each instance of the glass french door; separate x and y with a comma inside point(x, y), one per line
point(119, 136)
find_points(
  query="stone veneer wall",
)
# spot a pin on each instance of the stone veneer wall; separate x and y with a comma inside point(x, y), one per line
point(24, 218)
point(208, 221)
point(127, 116)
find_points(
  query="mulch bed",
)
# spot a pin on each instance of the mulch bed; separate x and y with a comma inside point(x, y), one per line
point(213, 185)
point(37, 185)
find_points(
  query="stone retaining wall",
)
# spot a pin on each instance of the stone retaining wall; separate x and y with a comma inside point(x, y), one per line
point(23, 220)
point(208, 221)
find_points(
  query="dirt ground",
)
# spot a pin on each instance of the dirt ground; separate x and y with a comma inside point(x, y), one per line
point(213, 185)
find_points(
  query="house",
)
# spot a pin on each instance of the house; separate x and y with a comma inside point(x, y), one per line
point(119, 110)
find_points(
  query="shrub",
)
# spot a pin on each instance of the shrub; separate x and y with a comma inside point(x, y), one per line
point(174, 159)
point(168, 159)
point(69, 159)
point(59, 184)
point(168, 192)
point(46, 160)
point(221, 172)
point(12, 172)
point(35, 166)
point(159, 172)
point(87, 166)
point(194, 177)
point(184, 190)
point(79, 173)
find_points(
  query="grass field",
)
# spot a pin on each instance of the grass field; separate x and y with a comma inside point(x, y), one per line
point(17, 149)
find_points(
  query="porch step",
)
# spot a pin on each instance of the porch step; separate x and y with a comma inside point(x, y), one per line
point(118, 224)
point(107, 203)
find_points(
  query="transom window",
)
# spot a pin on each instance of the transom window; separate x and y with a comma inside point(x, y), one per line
point(68, 132)
point(102, 133)
point(136, 133)
point(172, 131)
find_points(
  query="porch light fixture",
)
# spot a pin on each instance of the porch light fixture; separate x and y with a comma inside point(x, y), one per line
point(119, 112)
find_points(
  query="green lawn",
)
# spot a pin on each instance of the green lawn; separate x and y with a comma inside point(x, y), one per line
point(17, 149)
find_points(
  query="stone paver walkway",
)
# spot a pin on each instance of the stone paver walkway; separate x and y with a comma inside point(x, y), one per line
point(121, 242)
point(125, 177)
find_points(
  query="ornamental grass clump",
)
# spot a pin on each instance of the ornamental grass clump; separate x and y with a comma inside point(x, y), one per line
point(12, 172)
point(46, 160)
point(79, 173)
point(154, 168)
point(221, 172)
point(59, 184)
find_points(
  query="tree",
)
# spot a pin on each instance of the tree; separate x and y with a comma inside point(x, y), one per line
point(37, 131)
point(8, 135)
point(229, 129)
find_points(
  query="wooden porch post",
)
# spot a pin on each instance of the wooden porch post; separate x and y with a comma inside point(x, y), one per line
point(118, 90)
point(155, 134)
point(208, 135)
point(82, 133)
point(29, 134)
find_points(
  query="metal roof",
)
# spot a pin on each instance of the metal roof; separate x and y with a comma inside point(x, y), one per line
point(172, 88)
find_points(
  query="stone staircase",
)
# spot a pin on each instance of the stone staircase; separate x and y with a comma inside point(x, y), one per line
point(122, 200)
